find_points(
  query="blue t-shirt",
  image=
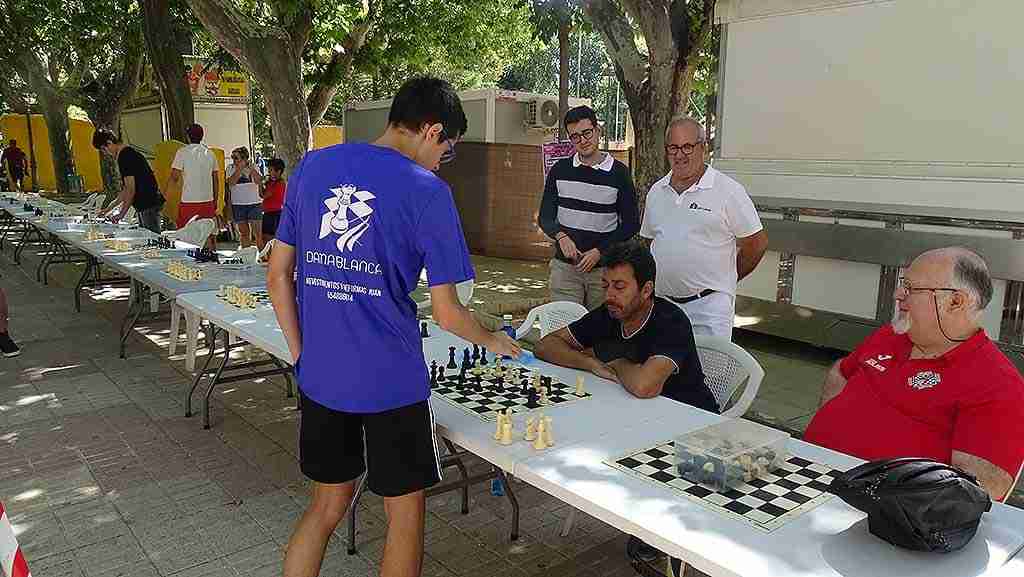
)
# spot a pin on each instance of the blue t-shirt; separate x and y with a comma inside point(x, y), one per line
point(364, 221)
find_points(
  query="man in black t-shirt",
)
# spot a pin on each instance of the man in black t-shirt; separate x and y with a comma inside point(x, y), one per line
point(138, 183)
point(641, 341)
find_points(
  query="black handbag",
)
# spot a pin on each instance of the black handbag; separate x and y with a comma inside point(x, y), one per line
point(917, 504)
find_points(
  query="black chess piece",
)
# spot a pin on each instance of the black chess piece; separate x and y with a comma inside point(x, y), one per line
point(476, 351)
point(478, 385)
point(524, 387)
point(466, 357)
point(532, 399)
point(483, 356)
point(451, 358)
point(433, 373)
point(499, 383)
point(423, 331)
point(440, 375)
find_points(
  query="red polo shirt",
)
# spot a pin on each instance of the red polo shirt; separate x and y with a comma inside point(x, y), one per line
point(970, 399)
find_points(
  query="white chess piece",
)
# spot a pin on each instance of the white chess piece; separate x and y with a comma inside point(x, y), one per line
point(506, 433)
point(580, 391)
point(543, 395)
point(539, 443)
point(498, 426)
point(548, 439)
point(531, 429)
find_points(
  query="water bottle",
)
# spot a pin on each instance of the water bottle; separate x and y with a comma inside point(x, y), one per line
point(506, 327)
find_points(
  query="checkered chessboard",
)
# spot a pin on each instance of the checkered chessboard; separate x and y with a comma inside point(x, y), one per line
point(485, 403)
point(262, 296)
point(767, 503)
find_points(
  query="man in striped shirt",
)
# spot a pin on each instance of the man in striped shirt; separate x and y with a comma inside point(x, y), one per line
point(589, 204)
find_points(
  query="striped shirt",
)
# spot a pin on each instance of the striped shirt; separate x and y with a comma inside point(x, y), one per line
point(594, 205)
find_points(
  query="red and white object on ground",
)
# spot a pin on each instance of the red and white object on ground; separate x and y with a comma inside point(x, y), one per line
point(12, 561)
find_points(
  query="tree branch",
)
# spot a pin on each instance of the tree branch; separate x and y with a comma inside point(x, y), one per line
point(619, 40)
point(233, 30)
point(340, 65)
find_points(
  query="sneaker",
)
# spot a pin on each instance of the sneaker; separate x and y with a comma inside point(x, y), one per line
point(8, 347)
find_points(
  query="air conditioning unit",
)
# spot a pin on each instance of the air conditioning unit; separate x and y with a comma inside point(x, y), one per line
point(541, 114)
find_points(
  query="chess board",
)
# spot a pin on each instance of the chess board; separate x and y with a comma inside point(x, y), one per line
point(484, 404)
point(768, 502)
point(262, 297)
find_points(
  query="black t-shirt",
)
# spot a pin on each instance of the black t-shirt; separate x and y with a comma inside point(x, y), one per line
point(666, 333)
point(131, 163)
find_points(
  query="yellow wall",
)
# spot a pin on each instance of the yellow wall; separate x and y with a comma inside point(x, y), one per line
point(14, 126)
point(165, 152)
point(87, 158)
point(325, 135)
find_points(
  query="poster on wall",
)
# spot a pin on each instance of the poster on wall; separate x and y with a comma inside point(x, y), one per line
point(554, 151)
point(207, 82)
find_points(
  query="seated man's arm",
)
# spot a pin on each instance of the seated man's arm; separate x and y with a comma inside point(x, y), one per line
point(560, 348)
point(644, 380)
point(834, 383)
point(988, 441)
point(991, 477)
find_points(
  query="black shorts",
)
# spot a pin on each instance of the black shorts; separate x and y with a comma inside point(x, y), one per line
point(400, 450)
point(270, 220)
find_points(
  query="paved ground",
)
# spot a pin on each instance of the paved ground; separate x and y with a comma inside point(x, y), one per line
point(103, 476)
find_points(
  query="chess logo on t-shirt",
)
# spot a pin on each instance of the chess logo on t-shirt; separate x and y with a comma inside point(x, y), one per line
point(924, 380)
point(348, 215)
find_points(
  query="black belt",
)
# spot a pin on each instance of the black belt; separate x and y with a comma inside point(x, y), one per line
point(691, 298)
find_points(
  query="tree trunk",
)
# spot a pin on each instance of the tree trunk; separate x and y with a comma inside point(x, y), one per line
point(289, 115)
point(657, 84)
point(55, 112)
point(162, 33)
point(108, 166)
point(270, 55)
point(563, 76)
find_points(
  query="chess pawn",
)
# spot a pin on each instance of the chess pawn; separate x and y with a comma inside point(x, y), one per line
point(580, 391)
point(506, 433)
point(499, 427)
point(539, 443)
point(548, 439)
point(531, 430)
point(544, 395)
point(220, 291)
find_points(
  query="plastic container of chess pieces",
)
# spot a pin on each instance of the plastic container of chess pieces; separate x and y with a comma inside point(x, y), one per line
point(729, 454)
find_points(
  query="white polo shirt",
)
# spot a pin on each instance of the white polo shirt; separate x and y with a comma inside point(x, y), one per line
point(695, 233)
point(197, 164)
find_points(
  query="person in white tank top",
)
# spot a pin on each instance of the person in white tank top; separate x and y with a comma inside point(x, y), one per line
point(244, 186)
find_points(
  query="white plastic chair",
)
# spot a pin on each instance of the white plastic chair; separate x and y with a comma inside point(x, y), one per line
point(87, 203)
point(551, 316)
point(195, 232)
point(464, 290)
point(726, 367)
point(264, 255)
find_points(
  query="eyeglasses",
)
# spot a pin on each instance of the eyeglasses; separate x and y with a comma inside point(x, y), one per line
point(906, 286)
point(576, 137)
point(448, 155)
point(674, 149)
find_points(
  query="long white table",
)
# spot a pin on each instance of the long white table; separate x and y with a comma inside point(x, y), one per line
point(830, 540)
point(148, 280)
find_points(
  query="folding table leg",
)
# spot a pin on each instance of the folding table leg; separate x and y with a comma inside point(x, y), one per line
point(462, 473)
point(199, 374)
point(512, 500)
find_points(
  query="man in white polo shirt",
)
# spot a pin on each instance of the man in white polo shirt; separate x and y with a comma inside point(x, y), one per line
point(704, 231)
point(196, 167)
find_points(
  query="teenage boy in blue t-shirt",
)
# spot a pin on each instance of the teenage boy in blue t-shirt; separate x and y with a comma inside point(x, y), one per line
point(359, 224)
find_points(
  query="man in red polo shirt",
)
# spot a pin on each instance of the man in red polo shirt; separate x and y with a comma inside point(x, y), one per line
point(930, 384)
